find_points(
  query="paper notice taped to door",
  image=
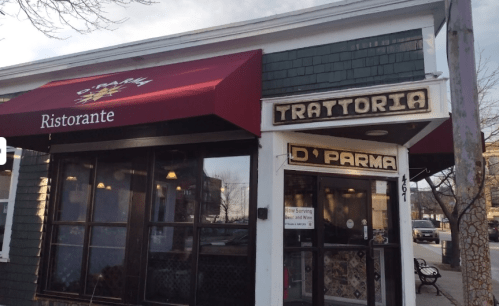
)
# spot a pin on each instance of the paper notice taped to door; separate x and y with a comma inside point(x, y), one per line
point(299, 218)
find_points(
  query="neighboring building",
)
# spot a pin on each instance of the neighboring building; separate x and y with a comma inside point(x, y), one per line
point(492, 181)
point(264, 162)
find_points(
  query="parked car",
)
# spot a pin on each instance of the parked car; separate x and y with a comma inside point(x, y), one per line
point(494, 231)
point(424, 230)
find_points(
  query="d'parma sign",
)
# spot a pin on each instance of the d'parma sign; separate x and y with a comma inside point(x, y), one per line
point(329, 157)
point(390, 103)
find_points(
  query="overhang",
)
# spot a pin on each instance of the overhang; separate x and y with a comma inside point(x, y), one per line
point(433, 153)
point(228, 87)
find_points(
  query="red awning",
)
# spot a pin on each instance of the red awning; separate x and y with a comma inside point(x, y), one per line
point(227, 86)
point(433, 153)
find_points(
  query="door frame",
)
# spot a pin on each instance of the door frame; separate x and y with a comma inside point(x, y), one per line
point(319, 249)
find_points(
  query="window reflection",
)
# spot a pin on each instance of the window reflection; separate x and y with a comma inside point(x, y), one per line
point(67, 252)
point(298, 273)
point(299, 191)
point(75, 190)
point(226, 190)
point(174, 195)
point(107, 253)
point(381, 210)
point(169, 264)
point(112, 193)
point(344, 215)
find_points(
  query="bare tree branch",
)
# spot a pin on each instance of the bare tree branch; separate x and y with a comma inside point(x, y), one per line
point(52, 16)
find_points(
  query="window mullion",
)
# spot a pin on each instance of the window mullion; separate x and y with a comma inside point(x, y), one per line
point(86, 240)
point(195, 238)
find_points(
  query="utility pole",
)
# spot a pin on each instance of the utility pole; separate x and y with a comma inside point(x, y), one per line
point(473, 236)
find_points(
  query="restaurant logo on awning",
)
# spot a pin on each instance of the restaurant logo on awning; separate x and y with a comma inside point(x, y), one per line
point(329, 157)
point(401, 102)
point(107, 89)
point(93, 93)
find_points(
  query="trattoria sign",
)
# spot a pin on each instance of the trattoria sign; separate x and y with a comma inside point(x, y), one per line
point(400, 102)
point(328, 157)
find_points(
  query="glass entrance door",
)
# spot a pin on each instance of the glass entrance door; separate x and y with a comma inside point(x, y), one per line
point(338, 235)
point(346, 254)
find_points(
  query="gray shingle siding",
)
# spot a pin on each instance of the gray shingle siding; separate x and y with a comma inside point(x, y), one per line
point(383, 59)
point(18, 278)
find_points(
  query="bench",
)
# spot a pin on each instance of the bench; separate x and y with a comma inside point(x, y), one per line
point(428, 275)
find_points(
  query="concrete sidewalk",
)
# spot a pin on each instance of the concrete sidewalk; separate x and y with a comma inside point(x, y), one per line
point(450, 284)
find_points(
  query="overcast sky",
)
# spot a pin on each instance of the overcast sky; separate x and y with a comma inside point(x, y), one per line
point(22, 43)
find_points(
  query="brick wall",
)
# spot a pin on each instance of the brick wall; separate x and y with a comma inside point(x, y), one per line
point(18, 278)
point(384, 59)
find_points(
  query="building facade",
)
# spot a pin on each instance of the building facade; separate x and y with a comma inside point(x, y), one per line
point(264, 162)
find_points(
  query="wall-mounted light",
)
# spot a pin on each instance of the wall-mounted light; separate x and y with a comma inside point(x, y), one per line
point(171, 175)
point(71, 178)
point(101, 185)
point(178, 188)
point(108, 187)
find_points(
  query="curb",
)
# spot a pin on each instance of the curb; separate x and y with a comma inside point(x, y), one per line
point(448, 296)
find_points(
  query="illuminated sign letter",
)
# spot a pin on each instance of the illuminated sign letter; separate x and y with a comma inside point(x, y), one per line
point(295, 151)
point(329, 106)
point(375, 162)
point(283, 110)
point(345, 104)
point(389, 162)
point(297, 111)
point(396, 102)
point(330, 156)
point(346, 157)
point(416, 97)
point(314, 109)
point(361, 105)
point(361, 160)
point(379, 103)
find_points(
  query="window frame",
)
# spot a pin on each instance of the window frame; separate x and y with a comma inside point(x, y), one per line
point(134, 289)
point(4, 253)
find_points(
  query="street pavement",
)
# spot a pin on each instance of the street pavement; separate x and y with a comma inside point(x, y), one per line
point(450, 284)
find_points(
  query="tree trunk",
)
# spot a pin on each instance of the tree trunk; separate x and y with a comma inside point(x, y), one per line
point(477, 285)
point(456, 251)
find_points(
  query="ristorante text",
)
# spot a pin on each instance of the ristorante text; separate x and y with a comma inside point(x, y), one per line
point(51, 121)
point(352, 107)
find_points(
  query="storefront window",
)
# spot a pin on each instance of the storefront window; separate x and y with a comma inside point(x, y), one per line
point(102, 257)
point(112, 192)
point(75, 190)
point(159, 226)
point(67, 250)
point(169, 264)
point(106, 259)
point(226, 190)
point(174, 192)
point(224, 270)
